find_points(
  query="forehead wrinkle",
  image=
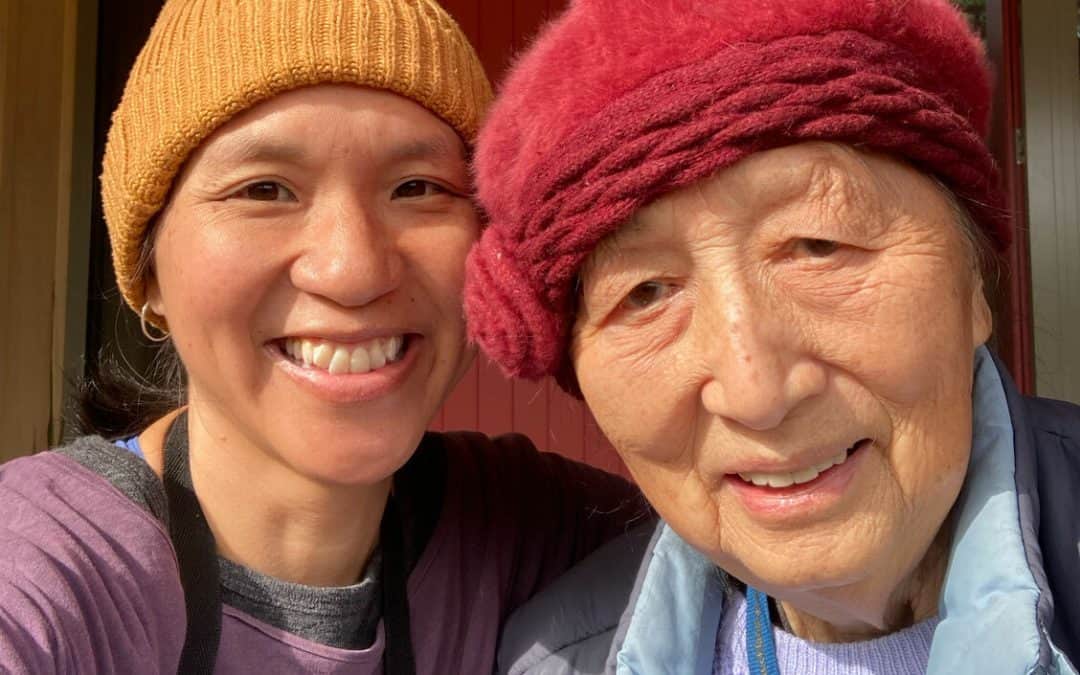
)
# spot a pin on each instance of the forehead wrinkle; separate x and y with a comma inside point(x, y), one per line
point(845, 188)
point(623, 238)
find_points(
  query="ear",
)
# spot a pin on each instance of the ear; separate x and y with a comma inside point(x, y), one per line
point(154, 301)
point(982, 319)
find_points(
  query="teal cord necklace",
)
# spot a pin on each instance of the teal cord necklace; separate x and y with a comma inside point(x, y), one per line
point(760, 648)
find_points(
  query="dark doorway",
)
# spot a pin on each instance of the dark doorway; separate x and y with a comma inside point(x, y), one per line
point(112, 331)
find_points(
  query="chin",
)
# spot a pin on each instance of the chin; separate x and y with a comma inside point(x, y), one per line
point(350, 459)
point(354, 469)
point(798, 568)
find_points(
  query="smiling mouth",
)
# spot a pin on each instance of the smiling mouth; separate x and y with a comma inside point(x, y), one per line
point(786, 479)
point(345, 359)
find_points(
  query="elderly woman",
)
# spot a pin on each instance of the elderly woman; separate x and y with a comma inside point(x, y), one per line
point(287, 196)
point(753, 235)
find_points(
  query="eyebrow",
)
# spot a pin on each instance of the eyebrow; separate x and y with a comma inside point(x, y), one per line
point(255, 149)
point(431, 148)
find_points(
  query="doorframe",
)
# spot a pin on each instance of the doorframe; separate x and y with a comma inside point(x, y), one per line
point(1014, 338)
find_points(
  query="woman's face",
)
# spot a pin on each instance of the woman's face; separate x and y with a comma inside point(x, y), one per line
point(783, 356)
point(309, 265)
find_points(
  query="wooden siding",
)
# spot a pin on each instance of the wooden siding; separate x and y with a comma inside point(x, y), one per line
point(37, 109)
point(1052, 89)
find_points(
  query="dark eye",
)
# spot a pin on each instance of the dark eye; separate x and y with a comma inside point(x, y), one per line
point(647, 294)
point(818, 248)
point(417, 188)
point(266, 191)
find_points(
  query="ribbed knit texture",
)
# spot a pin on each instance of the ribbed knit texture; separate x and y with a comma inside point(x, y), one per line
point(208, 60)
point(905, 652)
point(619, 103)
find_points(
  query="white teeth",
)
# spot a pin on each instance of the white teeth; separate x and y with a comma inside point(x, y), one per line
point(393, 347)
point(321, 356)
point(340, 363)
point(339, 359)
point(804, 476)
point(361, 362)
point(780, 480)
point(378, 358)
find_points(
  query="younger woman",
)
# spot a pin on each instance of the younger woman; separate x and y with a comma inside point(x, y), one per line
point(286, 192)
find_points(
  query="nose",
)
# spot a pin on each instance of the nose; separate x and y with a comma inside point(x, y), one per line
point(758, 363)
point(351, 257)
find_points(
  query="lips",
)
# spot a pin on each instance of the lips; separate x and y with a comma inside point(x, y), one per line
point(798, 504)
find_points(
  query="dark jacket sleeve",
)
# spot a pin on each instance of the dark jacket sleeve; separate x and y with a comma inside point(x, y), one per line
point(548, 512)
point(1056, 429)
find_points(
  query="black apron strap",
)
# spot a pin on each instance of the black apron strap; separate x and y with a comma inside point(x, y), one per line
point(196, 553)
point(398, 654)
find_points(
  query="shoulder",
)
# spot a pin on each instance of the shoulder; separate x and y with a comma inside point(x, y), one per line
point(569, 627)
point(82, 563)
point(1047, 476)
point(122, 469)
point(531, 493)
point(1057, 418)
point(79, 493)
point(503, 451)
point(91, 464)
point(1055, 453)
point(512, 462)
point(498, 466)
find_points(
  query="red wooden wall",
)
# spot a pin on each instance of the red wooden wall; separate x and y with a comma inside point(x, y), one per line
point(485, 400)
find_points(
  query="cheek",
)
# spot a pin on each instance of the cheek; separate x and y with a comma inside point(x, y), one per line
point(903, 328)
point(213, 284)
point(930, 450)
point(904, 337)
point(645, 399)
point(436, 257)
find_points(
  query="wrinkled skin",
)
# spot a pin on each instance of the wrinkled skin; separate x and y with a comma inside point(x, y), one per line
point(796, 303)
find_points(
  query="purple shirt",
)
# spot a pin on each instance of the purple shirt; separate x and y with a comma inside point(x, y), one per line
point(89, 580)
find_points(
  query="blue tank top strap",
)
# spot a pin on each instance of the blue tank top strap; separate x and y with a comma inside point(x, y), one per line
point(131, 445)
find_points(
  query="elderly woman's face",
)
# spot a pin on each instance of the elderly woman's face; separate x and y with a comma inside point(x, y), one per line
point(783, 357)
point(310, 265)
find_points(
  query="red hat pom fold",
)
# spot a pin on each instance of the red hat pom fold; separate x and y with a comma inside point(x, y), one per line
point(507, 318)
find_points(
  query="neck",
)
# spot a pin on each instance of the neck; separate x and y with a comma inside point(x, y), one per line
point(269, 518)
point(832, 619)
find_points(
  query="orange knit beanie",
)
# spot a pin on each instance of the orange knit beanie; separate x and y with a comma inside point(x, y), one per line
point(208, 60)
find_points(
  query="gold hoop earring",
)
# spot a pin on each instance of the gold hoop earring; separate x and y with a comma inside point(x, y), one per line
point(145, 325)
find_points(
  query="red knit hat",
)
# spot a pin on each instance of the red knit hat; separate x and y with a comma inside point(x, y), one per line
point(621, 101)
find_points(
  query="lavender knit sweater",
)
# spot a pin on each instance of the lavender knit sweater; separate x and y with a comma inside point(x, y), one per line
point(903, 653)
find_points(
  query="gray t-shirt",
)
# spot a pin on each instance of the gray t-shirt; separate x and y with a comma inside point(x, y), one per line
point(345, 617)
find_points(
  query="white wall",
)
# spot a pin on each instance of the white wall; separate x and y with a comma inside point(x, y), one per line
point(1052, 116)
